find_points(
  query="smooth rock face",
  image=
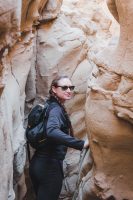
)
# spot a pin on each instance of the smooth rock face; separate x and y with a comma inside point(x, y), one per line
point(109, 117)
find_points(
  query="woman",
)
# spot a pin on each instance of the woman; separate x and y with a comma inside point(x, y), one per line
point(46, 168)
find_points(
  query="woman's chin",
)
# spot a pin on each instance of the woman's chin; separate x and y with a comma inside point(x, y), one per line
point(65, 98)
point(68, 98)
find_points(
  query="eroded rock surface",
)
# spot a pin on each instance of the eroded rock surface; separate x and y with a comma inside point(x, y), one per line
point(17, 65)
point(97, 26)
point(109, 112)
point(37, 42)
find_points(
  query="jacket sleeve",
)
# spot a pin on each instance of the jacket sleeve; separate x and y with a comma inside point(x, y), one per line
point(55, 133)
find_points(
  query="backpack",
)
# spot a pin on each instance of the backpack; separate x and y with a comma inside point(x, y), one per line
point(36, 129)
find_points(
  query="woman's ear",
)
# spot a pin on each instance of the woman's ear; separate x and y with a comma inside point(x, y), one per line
point(54, 89)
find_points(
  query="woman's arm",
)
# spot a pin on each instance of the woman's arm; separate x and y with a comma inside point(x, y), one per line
point(55, 133)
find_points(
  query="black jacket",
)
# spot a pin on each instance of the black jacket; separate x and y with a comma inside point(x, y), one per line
point(57, 131)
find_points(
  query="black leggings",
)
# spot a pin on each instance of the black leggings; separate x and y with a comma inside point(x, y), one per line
point(46, 176)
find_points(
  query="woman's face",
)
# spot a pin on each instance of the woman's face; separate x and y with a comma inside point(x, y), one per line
point(64, 90)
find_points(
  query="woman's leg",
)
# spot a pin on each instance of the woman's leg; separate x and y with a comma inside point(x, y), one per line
point(50, 188)
point(46, 175)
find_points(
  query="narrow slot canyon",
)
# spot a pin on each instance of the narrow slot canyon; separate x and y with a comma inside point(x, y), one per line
point(92, 43)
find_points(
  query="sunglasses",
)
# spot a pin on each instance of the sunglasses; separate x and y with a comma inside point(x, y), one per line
point(65, 87)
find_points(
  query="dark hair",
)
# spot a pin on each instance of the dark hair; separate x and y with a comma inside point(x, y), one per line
point(56, 81)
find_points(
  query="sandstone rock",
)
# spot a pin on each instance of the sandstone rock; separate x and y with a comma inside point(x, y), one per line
point(34, 12)
point(12, 115)
point(109, 118)
point(113, 8)
point(30, 14)
point(76, 105)
point(58, 52)
point(10, 15)
point(64, 46)
point(51, 10)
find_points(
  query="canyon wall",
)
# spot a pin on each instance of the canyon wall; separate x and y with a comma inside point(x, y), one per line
point(43, 38)
point(18, 83)
point(109, 116)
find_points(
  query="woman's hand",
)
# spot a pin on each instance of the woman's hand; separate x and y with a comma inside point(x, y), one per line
point(86, 144)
